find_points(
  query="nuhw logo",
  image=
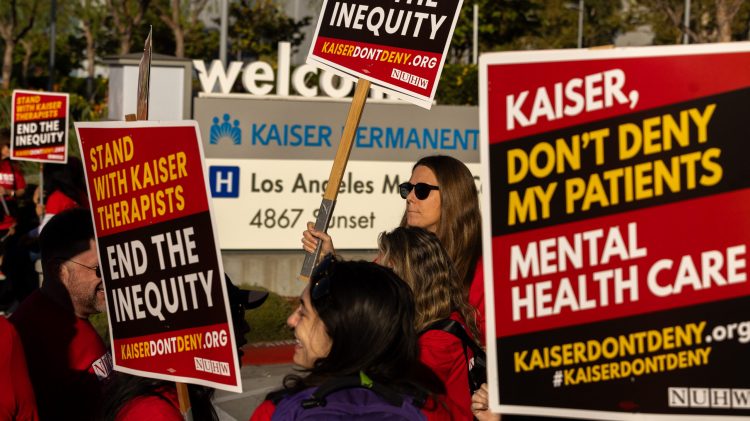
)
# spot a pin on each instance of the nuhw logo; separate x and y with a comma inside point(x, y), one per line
point(225, 131)
point(704, 397)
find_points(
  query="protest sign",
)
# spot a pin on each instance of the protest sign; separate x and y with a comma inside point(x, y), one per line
point(617, 229)
point(400, 46)
point(166, 297)
point(39, 126)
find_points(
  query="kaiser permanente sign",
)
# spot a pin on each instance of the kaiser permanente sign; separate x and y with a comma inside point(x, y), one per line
point(268, 152)
point(269, 161)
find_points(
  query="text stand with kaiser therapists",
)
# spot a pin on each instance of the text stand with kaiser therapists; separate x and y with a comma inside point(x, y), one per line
point(400, 46)
point(39, 129)
point(617, 231)
point(167, 301)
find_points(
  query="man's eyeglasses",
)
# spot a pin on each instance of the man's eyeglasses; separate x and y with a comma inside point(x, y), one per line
point(421, 190)
point(96, 269)
point(320, 282)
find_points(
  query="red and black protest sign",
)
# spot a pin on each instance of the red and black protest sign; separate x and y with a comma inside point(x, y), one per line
point(399, 45)
point(619, 194)
point(39, 126)
point(166, 297)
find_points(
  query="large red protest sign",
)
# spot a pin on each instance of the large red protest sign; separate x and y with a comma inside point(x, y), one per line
point(399, 45)
point(166, 297)
point(39, 126)
point(617, 227)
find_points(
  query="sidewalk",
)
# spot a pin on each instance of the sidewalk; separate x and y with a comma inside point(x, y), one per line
point(263, 369)
point(257, 381)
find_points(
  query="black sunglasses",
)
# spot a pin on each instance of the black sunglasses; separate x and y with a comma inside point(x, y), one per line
point(421, 190)
point(320, 282)
point(96, 269)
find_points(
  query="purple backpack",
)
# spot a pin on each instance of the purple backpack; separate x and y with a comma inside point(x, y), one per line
point(348, 398)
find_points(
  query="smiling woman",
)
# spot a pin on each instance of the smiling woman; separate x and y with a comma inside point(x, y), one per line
point(357, 345)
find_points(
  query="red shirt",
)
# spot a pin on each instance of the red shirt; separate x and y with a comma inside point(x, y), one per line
point(476, 300)
point(165, 407)
point(444, 354)
point(16, 395)
point(11, 177)
point(58, 202)
point(66, 358)
point(263, 412)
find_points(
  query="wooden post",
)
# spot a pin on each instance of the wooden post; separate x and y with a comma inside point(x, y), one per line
point(144, 71)
point(41, 183)
point(337, 172)
point(183, 397)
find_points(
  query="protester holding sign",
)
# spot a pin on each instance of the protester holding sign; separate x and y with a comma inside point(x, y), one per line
point(417, 256)
point(66, 357)
point(356, 341)
point(441, 197)
point(64, 188)
point(12, 183)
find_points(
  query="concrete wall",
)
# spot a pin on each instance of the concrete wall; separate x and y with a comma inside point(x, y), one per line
point(276, 271)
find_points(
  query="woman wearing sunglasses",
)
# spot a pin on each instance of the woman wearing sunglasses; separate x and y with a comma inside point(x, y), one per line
point(441, 197)
point(418, 258)
point(357, 346)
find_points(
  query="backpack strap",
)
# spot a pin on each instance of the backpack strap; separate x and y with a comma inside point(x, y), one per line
point(318, 398)
point(454, 328)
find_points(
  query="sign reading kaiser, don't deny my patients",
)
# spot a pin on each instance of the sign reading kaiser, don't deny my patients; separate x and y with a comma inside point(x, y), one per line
point(166, 296)
point(617, 231)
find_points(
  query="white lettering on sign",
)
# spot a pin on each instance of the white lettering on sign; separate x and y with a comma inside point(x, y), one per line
point(377, 20)
point(593, 92)
point(258, 78)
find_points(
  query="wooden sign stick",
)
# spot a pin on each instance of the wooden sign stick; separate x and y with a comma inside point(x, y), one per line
point(144, 76)
point(337, 172)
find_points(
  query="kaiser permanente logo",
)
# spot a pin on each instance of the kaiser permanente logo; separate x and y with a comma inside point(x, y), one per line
point(226, 130)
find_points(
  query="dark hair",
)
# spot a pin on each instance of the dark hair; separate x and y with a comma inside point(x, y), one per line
point(368, 312)
point(4, 137)
point(417, 256)
point(460, 225)
point(67, 178)
point(67, 234)
point(124, 388)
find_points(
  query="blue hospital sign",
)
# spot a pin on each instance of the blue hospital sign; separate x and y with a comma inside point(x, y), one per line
point(224, 181)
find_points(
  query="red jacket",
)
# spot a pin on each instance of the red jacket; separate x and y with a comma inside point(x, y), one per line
point(16, 395)
point(165, 407)
point(66, 358)
point(444, 354)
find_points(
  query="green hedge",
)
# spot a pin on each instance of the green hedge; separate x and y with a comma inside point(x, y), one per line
point(458, 85)
point(268, 322)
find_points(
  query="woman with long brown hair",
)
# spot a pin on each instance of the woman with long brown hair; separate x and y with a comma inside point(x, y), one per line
point(417, 256)
point(442, 198)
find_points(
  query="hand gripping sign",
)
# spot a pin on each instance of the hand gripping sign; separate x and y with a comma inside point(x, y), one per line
point(616, 231)
point(166, 297)
point(398, 45)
